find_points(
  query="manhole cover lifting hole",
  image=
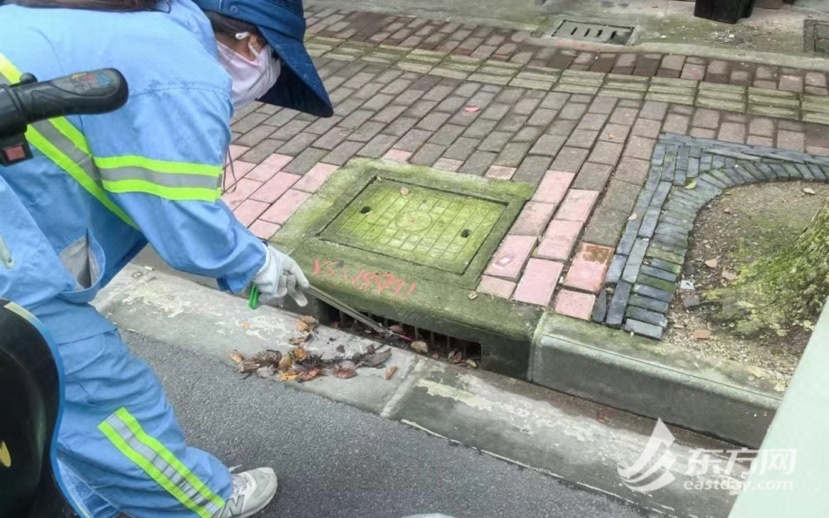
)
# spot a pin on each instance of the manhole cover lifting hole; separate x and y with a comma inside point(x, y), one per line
point(598, 33)
point(425, 226)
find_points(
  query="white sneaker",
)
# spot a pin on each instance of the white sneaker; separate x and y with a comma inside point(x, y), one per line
point(252, 491)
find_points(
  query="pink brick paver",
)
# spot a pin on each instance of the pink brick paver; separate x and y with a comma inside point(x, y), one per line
point(275, 187)
point(589, 267)
point(264, 229)
point(449, 164)
point(533, 219)
point(496, 287)
point(398, 155)
point(511, 256)
point(240, 192)
point(538, 282)
point(264, 172)
point(575, 304)
point(236, 151)
point(559, 239)
point(249, 210)
point(577, 205)
point(236, 172)
point(313, 179)
point(285, 207)
point(553, 187)
point(501, 172)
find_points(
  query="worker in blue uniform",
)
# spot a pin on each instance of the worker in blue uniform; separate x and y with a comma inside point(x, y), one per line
point(101, 187)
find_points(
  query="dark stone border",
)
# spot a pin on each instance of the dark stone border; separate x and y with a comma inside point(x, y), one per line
point(686, 174)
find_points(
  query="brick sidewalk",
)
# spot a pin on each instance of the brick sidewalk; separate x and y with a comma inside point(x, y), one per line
point(585, 139)
point(520, 48)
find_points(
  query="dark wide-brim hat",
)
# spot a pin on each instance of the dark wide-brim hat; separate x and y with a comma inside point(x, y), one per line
point(282, 23)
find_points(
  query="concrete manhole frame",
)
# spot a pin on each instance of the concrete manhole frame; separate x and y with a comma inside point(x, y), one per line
point(424, 297)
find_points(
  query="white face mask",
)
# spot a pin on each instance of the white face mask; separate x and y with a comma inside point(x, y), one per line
point(251, 79)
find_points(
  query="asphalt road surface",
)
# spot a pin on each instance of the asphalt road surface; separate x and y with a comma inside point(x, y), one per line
point(334, 460)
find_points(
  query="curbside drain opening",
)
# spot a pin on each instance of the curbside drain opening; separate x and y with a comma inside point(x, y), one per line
point(592, 32)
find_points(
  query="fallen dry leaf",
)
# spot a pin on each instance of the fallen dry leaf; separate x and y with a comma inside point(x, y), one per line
point(264, 372)
point(376, 359)
point(727, 211)
point(455, 356)
point(809, 190)
point(691, 185)
point(237, 357)
point(473, 295)
point(288, 376)
point(306, 324)
point(471, 109)
point(390, 372)
point(404, 191)
point(344, 373)
point(299, 340)
point(633, 217)
point(248, 366)
point(712, 263)
point(420, 347)
point(729, 276)
point(299, 354)
point(702, 334)
point(398, 330)
point(472, 363)
point(286, 363)
point(601, 417)
point(309, 375)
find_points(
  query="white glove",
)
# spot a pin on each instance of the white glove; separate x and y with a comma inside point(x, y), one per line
point(280, 276)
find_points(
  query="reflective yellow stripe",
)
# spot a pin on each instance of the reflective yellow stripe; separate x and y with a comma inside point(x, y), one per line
point(170, 193)
point(180, 181)
point(126, 434)
point(158, 166)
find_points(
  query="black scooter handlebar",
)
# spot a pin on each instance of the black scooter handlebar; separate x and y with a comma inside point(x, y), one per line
point(30, 101)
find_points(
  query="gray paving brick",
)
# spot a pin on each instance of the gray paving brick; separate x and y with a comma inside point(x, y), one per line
point(606, 153)
point(643, 328)
point(343, 153)
point(480, 129)
point(561, 128)
point(378, 102)
point(412, 140)
point(512, 122)
point(512, 154)
point(428, 154)
point(614, 271)
point(389, 114)
point(298, 144)
point(635, 259)
point(542, 117)
point(280, 118)
point(618, 304)
point(628, 237)
point(555, 100)
point(527, 134)
point(532, 169)
point(462, 148)
point(367, 131)
point(583, 138)
point(261, 151)
point(495, 141)
point(378, 146)
point(478, 163)
point(648, 303)
point(657, 273)
point(400, 126)
point(569, 159)
point(305, 161)
point(447, 134)
point(600, 307)
point(654, 293)
point(592, 121)
point(593, 177)
point(249, 122)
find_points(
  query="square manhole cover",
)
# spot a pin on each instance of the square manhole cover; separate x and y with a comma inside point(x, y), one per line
point(421, 225)
point(595, 32)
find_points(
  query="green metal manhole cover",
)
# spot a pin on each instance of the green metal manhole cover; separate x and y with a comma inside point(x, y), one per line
point(430, 227)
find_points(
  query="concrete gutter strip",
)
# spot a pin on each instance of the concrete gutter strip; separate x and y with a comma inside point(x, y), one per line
point(572, 439)
point(654, 379)
point(796, 484)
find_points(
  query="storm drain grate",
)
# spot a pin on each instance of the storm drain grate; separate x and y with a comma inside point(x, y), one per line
point(441, 347)
point(593, 32)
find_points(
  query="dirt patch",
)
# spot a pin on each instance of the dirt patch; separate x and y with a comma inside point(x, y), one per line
point(731, 232)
